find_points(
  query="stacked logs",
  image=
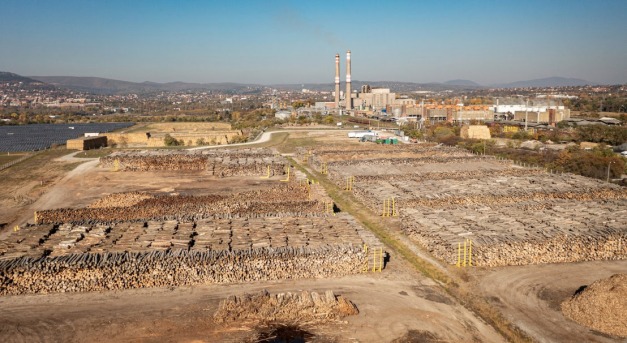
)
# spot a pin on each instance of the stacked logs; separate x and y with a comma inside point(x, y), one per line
point(121, 199)
point(282, 200)
point(458, 175)
point(517, 196)
point(221, 163)
point(171, 268)
point(287, 308)
point(598, 244)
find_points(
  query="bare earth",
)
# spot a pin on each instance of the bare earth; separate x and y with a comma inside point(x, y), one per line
point(530, 296)
point(390, 304)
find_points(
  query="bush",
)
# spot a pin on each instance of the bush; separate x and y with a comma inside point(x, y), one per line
point(170, 141)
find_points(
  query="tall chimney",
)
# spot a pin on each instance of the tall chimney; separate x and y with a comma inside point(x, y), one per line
point(347, 96)
point(337, 81)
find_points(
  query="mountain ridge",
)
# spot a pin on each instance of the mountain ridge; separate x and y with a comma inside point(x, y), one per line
point(99, 85)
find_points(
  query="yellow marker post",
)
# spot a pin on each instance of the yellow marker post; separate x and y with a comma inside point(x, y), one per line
point(116, 165)
point(381, 259)
point(459, 254)
point(267, 173)
point(288, 174)
point(394, 213)
point(365, 270)
point(374, 260)
point(464, 263)
point(470, 253)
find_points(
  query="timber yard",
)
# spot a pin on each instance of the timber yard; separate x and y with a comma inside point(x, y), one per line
point(326, 234)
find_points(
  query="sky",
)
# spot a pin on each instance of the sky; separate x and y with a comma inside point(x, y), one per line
point(274, 42)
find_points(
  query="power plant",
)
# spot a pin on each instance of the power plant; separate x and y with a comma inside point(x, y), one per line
point(347, 95)
point(337, 80)
point(348, 104)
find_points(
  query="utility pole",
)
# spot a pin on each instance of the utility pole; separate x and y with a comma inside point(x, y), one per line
point(526, 113)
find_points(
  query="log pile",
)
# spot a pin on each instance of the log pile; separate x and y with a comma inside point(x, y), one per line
point(281, 200)
point(450, 176)
point(171, 268)
point(221, 163)
point(125, 199)
point(517, 196)
point(286, 308)
point(513, 215)
point(567, 231)
point(67, 258)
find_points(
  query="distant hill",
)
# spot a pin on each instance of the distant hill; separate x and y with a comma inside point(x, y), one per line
point(394, 86)
point(467, 83)
point(546, 82)
point(11, 77)
point(109, 86)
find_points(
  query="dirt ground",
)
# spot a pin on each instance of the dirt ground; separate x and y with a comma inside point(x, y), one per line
point(391, 303)
point(530, 296)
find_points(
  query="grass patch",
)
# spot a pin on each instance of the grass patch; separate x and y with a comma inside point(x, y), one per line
point(95, 153)
point(8, 158)
point(289, 147)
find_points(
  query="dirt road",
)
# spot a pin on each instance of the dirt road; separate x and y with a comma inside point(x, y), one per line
point(390, 304)
point(530, 296)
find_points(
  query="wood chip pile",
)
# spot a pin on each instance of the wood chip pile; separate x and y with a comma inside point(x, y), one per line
point(601, 306)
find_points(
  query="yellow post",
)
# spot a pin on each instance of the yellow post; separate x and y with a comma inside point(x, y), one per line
point(394, 213)
point(267, 173)
point(464, 264)
point(116, 165)
point(459, 254)
point(470, 253)
point(35, 216)
point(288, 174)
point(365, 270)
point(381, 259)
point(374, 260)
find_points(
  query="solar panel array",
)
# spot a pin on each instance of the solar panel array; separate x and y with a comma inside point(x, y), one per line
point(42, 136)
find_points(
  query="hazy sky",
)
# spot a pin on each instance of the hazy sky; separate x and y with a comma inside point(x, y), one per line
point(295, 41)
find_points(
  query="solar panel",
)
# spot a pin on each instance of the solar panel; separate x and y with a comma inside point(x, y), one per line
point(42, 136)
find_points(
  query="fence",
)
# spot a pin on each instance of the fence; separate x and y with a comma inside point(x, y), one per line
point(14, 162)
